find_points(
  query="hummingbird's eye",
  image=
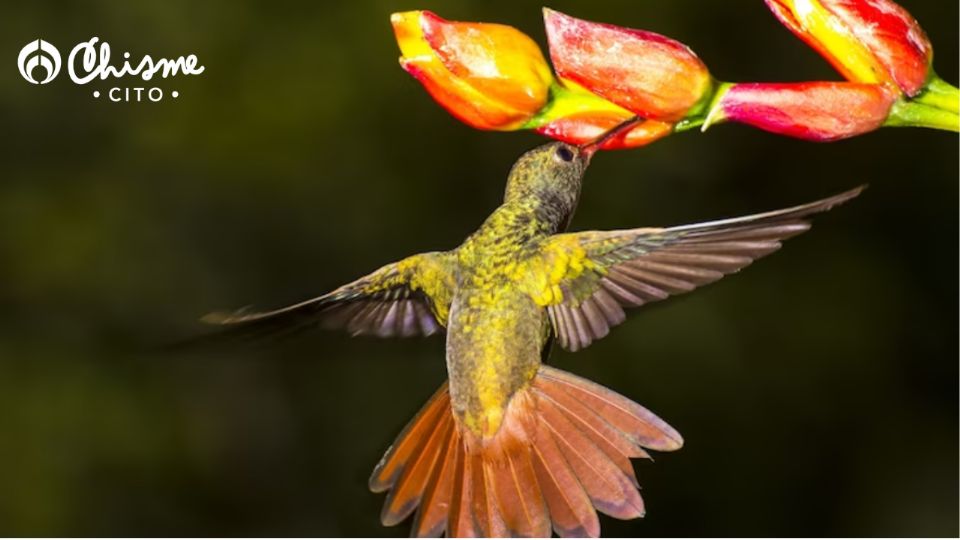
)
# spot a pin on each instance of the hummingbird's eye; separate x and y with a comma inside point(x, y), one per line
point(565, 153)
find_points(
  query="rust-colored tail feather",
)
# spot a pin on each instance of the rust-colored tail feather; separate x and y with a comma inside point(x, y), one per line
point(431, 520)
point(462, 521)
point(409, 441)
point(563, 450)
point(611, 440)
point(522, 506)
point(609, 489)
point(570, 508)
point(640, 425)
point(408, 490)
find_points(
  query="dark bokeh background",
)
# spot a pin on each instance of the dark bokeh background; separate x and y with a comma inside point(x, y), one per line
point(817, 391)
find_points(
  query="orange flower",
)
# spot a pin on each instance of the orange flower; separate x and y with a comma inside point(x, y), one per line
point(870, 41)
point(646, 73)
point(490, 76)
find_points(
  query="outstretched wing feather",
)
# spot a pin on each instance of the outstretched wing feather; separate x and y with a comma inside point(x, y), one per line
point(602, 273)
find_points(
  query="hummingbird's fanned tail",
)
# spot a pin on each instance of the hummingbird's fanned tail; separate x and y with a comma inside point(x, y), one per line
point(563, 451)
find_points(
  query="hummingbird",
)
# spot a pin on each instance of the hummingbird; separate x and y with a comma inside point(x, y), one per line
point(510, 446)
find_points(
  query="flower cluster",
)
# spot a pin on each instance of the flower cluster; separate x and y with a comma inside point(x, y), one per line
point(495, 77)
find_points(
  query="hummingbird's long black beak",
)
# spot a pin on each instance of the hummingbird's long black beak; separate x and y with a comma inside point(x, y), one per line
point(589, 148)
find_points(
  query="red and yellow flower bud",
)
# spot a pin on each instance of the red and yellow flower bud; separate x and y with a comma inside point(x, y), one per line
point(648, 74)
point(870, 41)
point(490, 76)
point(577, 116)
point(585, 127)
point(815, 111)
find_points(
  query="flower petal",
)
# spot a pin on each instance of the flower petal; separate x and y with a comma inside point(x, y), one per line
point(872, 41)
point(490, 76)
point(459, 98)
point(649, 74)
point(497, 60)
point(815, 111)
point(584, 127)
point(892, 34)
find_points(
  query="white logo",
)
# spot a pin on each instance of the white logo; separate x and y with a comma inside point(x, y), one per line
point(91, 61)
point(39, 53)
point(94, 63)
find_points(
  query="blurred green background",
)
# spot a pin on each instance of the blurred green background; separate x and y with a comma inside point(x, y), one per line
point(817, 390)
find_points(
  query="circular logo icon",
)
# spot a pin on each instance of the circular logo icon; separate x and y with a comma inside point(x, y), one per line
point(39, 53)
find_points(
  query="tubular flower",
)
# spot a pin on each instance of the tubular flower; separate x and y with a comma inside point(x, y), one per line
point(815, 111)
point(585, 127)
point(490, 76)
point(494, 77)
point(576, 116)
point(646, 73)
point(870, 41)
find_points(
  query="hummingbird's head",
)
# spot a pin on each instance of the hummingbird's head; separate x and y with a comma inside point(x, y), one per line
point(551, 167)
point(554, 172)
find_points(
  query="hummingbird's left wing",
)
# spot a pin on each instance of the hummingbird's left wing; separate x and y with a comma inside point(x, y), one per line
point(586, 279)
point(407, 298)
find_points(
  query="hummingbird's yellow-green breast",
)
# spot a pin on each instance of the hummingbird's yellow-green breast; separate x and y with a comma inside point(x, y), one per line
point(497, 328)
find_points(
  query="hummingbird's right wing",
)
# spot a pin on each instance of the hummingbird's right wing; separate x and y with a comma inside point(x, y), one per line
point(407, 298)
point(586, 279)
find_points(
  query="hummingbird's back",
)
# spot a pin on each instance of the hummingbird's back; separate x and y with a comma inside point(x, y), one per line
point(495, 331)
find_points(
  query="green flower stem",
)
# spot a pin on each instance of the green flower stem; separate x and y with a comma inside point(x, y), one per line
point(564, 102)
point(708, 112)
point(936, 107)
point(556, 93)
point(690, 122)
point(917, 114)
point(941, 95)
